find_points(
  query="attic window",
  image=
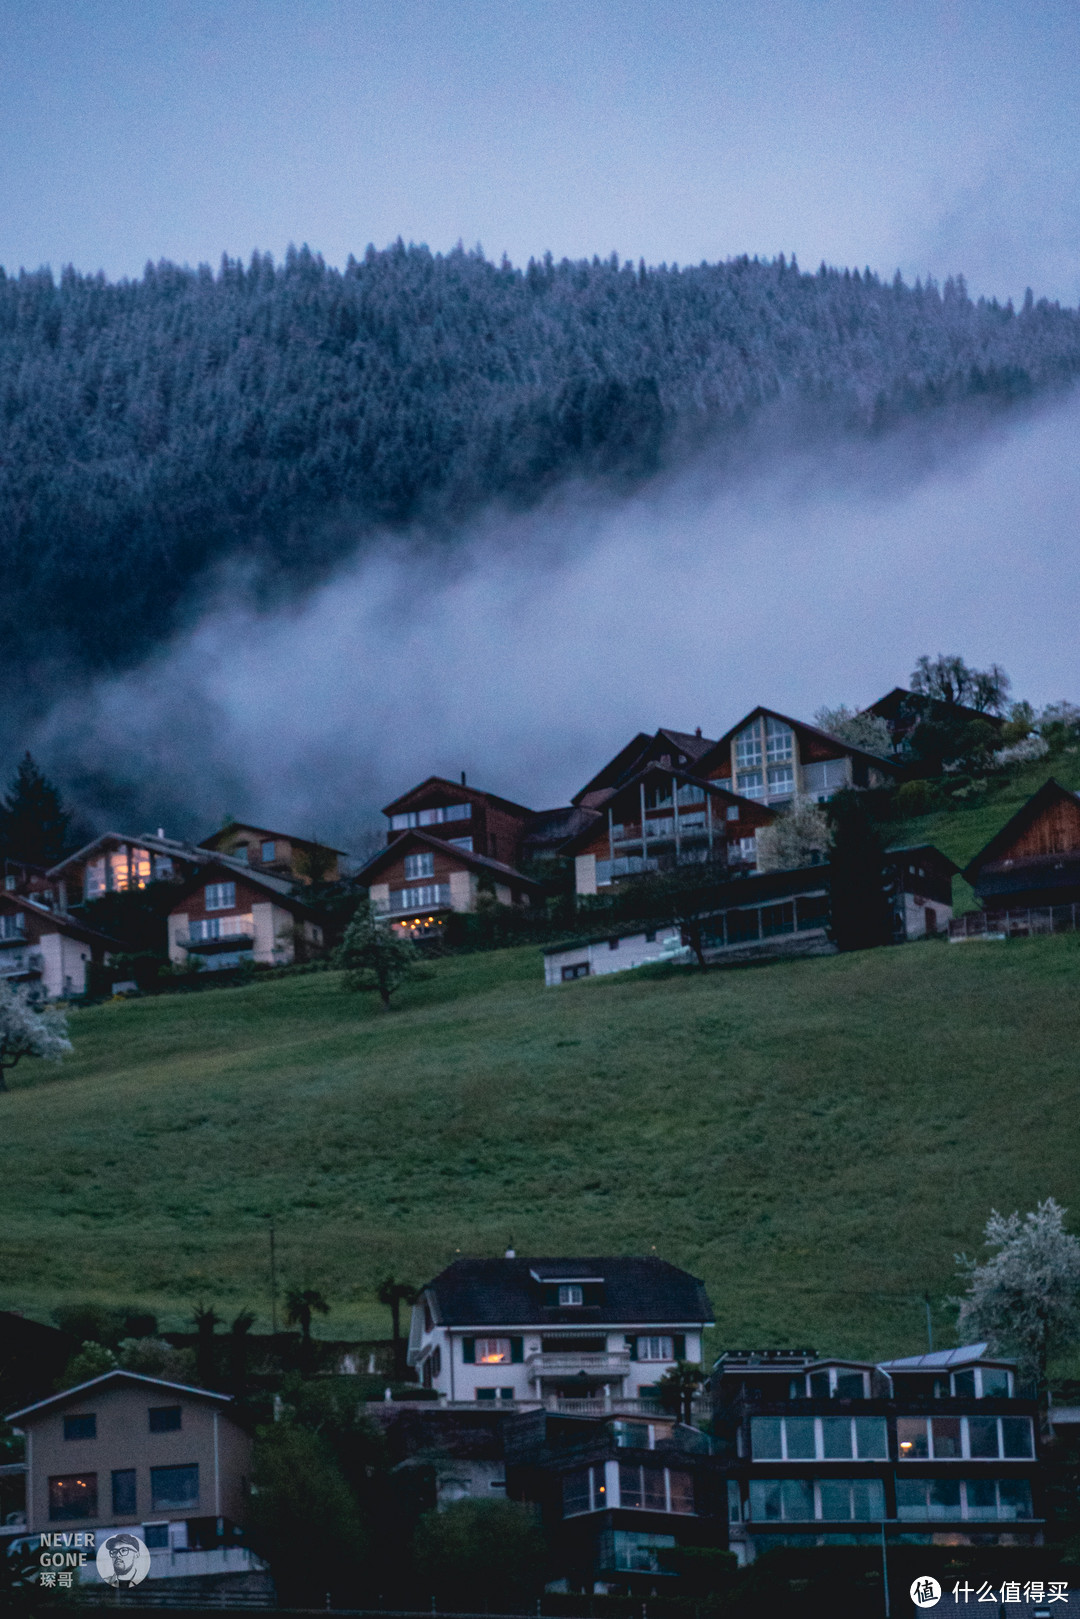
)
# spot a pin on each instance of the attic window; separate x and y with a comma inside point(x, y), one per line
point(269, 849)
point(570, 1293)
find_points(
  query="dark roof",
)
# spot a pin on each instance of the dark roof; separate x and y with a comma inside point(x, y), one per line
point(1044, 795)
point(173, 848)
point(619, 769)
point(456, 789)
point(891, 705)
point(927, 850)
point(509, 1292)
point(61, 920)
point(713, 789)
point(555, 826)
point(280, 887)
point(479, 862)
point(117, 1375)
point(264, 832)
point(811, 730)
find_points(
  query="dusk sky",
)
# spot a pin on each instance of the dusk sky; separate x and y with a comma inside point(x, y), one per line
point(928, 135)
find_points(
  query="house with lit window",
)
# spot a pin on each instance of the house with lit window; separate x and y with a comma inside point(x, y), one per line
point(620, 1498)
point(475, 822)
point(420, 879)
point(937, 1449)
point(226, 916)
point(277, 854)
point(1027, 878)
point(660, 818)
point(114, 863)
point(773, 759)
point(46, 949)
point(583, 1335)
point(674, 750)
point(170, 1462)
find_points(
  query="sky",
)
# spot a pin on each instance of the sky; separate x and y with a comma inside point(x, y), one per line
point(933, 136)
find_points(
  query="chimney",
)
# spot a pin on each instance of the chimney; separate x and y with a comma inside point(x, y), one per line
point(698, 731)
point(463, 783)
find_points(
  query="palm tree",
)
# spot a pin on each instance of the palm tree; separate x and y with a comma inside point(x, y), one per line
point(395, 1294)
point(299, 1304)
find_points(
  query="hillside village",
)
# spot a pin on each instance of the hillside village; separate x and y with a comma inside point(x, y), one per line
point(680, 847)
point(578, 1407)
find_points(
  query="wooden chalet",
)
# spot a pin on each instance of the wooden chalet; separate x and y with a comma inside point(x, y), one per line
point(672, 749)
point(228, 915)
point(279, 854)
point(47, 949)
point(476, 822)
point(902, 709)
point(420, 878)
point(773, 759)
point(922, 879)
point(1032, 864)
point(660, 818)
point(116, 862)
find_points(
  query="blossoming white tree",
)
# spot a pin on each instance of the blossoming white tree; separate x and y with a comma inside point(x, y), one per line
point(1026, 1299)
point(27, 1032)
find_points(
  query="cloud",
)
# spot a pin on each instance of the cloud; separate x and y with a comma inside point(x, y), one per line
point(529, 652)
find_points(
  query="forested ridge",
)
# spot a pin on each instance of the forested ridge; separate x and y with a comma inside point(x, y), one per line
point(278, 413)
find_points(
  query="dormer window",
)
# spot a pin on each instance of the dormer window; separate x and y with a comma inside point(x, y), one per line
point(981, 1383)
point(571, 1293)
point(837, 1383)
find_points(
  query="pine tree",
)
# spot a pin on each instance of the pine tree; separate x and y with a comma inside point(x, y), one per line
point(33, 821)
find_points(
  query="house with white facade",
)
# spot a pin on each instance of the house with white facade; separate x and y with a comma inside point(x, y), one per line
point(569, 1334)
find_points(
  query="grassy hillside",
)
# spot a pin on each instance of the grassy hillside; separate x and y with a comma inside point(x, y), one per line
point(816, 1139)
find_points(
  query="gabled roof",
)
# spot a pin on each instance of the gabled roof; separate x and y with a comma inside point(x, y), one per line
point(1050, 792)
point(937, 1359)
point(555, 826)
point(677, 773)
point(928, 851)
point(473, 862)
point(265, 832)
point(172, 848)
point(455, 789)
point(615, 772)
point(509, 1292)
point(117, 1375)
point(890, 706)
point(876, 759)
point(283, 891)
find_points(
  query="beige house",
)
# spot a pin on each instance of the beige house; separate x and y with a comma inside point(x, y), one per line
point(126, 1450)
point(227, 916)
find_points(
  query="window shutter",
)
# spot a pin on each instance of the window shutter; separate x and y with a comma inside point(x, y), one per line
point(631, 1344)
point(517, 1350)
point(468, 1351)
point(680, 1346)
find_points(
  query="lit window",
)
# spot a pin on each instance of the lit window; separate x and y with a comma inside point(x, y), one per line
point(73, 1495)
point(220, 896)
point(492, 1351)
point(269, 849)
point(570, 1293)
point(656, 1349)
point(419, 865)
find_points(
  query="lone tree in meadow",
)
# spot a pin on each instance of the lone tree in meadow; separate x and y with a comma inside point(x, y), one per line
point(1025, 1301)
point(374, 956)
point(27, 1032)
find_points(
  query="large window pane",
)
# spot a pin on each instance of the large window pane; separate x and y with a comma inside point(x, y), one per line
point(849, 1385)
point(765, 1439)
point(871, 1439)
point(629, 1485)
point(797, 1496)
point(944, 1497)
point(836, 1438)
point(765, 1500)
point(911, 1499)
point(1015, 1496)
point(681, 1486)
point(575, 1492)
point(981, 1498)
point(964, 1385)
point(819, 1386)
point(911, 1438)
point(1016, 1436)
point(654, 1496)
point(173, 1487)
point(800, 1438)
point(835, 1497)
point(983, 1437)
point(995, 1383)
point(868, 1499)
point(946, 1439)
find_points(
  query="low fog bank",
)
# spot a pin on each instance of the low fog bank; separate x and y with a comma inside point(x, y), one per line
point(530, 652)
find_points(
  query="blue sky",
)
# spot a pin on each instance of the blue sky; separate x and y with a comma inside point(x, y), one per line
point(930, 135)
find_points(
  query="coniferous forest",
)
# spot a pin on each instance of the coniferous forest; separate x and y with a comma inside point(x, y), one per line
point(276, 415)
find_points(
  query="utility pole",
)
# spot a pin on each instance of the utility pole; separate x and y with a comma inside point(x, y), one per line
point(273, 1281)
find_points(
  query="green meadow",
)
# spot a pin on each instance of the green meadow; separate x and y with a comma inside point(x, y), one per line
point(817, 1139)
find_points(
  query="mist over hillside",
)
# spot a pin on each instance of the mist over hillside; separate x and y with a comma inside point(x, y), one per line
point(151, 431)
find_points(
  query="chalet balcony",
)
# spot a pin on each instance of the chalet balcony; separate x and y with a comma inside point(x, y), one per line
point(613, 1364)
point(224, 941)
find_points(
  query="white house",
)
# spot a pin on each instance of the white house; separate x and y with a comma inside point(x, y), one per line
point(614, 953)
point(556, 1332)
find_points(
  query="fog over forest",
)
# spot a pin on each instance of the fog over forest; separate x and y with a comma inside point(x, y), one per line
point(282, 540)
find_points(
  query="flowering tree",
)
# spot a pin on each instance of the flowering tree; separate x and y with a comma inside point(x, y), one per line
point(27, 1032)
point(798, 834)
point(1026, 1299)
point(858, 727)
